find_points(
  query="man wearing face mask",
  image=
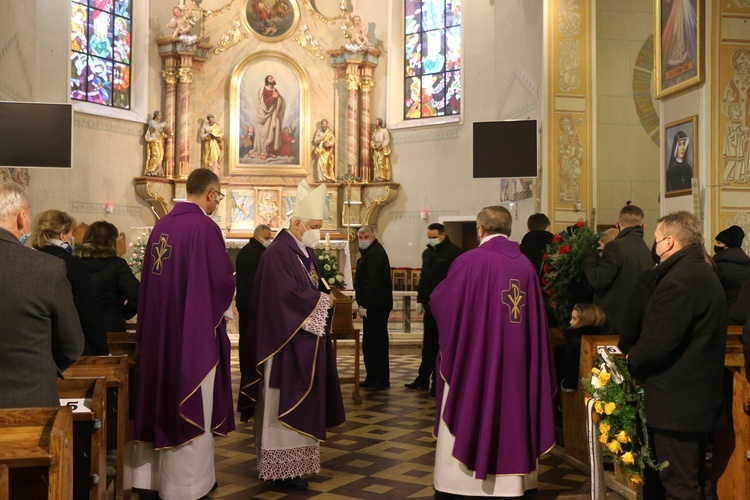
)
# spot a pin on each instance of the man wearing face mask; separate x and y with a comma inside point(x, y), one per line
point(436, 259)
point(247, 265)
point(184, 393)
point(372, 283)
point(293, 386)
point(40, 333)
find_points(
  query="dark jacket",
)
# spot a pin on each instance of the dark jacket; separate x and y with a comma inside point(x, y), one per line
point(679, 356)
point(733, 267)
point(247, 264)
point(572, 355)
point(115, 287)
point(534, 246)
point(83, 297)
point(40, 333)
point(615, 273)
point(372, 280)
point(435, 264)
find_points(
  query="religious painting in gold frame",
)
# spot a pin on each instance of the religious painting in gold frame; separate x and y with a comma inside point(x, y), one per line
point(678, 45)
point(268, 207)
point(269, 116)
point(681, 137)
point(241, 209)
point(270, 20)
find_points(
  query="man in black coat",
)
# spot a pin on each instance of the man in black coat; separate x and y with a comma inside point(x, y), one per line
point(534, 243)
point(615, 273)
point(436, 260)
point(374, 294)
point(40, 333)
point(679, 356)
point(732, 263)
point(246, 265)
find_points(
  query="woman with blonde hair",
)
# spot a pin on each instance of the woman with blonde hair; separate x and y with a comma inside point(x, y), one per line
point(52, 233)
point(586, 319)
point(115, 287)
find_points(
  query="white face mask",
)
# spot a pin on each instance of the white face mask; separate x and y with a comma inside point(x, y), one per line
point(433, 241)
point(310, 237)
point(267, 243)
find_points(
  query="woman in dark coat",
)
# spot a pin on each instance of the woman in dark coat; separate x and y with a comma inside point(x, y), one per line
point(53, 234)
point(115, 286)
point(732, 263)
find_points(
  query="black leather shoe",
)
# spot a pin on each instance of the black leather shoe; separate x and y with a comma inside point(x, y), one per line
point(369, 384)
point(432, 391)
point(293, 484)
point(418, 384)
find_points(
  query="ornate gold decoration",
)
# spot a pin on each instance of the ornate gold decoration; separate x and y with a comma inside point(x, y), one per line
point(515, 299)
point(352, 82)
point(232, 37)
point(186, 75)
point(313, 10)
point(366, 83)
point(214, 13)
point(307, 41)
point(160, 251)
point(169, 75)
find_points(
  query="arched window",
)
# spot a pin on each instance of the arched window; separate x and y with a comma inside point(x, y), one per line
point(432, 65)
point(100, 52)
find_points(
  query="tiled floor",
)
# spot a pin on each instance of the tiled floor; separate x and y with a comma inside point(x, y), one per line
point(385, 449)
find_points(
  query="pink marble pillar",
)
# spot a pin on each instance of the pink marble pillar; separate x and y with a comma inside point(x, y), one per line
point(170, 79)
point(366, 85)
point(183, 124)
point(352, 117)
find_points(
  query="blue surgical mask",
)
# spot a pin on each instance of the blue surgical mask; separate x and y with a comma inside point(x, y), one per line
point(433, 241)
point(25, 237)
point(364, 244)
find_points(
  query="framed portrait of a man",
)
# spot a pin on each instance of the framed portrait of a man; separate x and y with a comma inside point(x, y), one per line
point(269, 116)
point(270, 20)
point(681, 138)
point(678, 45)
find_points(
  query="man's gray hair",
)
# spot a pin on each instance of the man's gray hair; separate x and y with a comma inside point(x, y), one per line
point(366, 229)
point(495, 219)
point(12, 199)
point(261, 227)
point(683, 226)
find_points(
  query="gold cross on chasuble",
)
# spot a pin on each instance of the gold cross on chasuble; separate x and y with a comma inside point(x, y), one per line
point(160, 251)
point(515, 299)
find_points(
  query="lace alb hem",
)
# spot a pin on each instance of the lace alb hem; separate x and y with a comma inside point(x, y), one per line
point(288, 463)
point(316, 323)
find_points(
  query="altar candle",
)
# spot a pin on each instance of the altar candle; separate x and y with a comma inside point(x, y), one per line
point(328, 241)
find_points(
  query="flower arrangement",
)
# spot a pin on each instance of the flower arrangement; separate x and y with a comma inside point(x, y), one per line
point(563, 278)
point(329, 268)
point(622, 425)
point(138, 252)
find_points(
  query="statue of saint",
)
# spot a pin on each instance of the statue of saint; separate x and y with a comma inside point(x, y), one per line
point(212, 141)
point(323, 158)
point(381, 152)
point(155, 136)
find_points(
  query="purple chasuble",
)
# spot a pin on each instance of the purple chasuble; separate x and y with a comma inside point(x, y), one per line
point(186, 286)
point(304, 365)
point(495, 356)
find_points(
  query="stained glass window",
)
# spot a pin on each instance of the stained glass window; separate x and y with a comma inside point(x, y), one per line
point(432, 64)
point(100, 52)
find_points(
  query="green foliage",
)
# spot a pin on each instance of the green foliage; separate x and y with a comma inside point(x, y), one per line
point(563, 278)
point(136, 256)
point(329, 267)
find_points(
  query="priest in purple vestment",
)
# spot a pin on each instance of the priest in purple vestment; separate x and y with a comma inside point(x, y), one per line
point(294, 388)
point(494, 394)
point(184, 391)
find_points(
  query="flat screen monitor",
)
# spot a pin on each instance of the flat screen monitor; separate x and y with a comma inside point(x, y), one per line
point(36, 134)
point(505, 149)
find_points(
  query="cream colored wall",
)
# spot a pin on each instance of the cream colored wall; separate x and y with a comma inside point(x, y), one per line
point(627, 160)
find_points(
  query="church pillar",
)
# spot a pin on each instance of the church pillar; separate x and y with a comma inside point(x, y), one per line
point(170, 79)
point(352, 116)
point(569, 134)
point(183, 127)
point(365, 85)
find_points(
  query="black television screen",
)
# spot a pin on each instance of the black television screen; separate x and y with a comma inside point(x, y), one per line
point(505, 149)
point(36, 134)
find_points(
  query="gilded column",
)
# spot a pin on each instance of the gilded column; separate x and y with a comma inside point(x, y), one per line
point(169, 74)
point(352, 116)
point(183, 126)
point(365, 85)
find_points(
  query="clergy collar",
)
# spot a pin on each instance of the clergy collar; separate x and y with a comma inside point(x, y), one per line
point(490, 236)
point(194, 203)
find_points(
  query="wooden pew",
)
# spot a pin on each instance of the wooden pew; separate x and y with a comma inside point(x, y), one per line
point(115, 371)
point(36, 444)
point(730, 468)
point(89, 435)
point(575, 441)
point(4, 488)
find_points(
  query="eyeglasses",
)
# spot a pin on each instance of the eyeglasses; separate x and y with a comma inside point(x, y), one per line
point(219, 195)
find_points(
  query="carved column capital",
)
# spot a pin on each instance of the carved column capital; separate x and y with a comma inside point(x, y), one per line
point(169, 75)
point(366, 84)
point(352, 82)
point(186, 75)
